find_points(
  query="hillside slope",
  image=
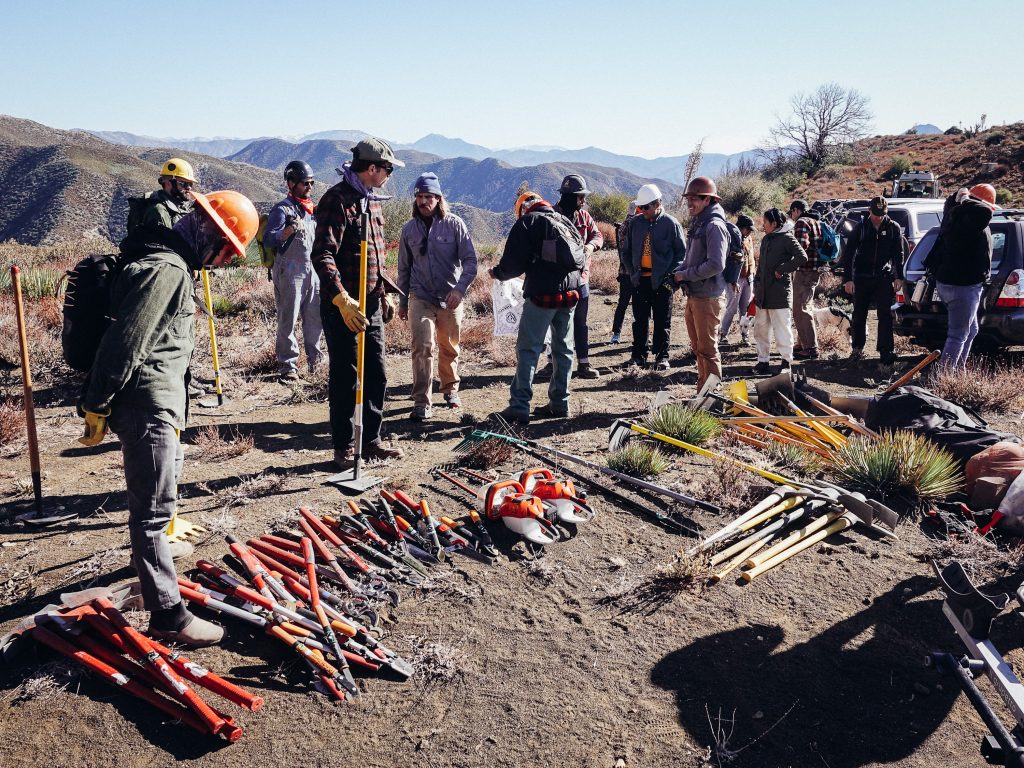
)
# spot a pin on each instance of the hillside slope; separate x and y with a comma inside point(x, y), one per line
point(995, 156)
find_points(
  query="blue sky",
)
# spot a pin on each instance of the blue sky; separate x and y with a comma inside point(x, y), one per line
point(647, 78)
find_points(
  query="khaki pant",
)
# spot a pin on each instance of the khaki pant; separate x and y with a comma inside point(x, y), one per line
point(427, 322)
point(804, 283)
point(703, 318)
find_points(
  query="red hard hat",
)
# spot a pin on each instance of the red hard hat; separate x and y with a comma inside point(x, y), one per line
point(986, 193)
point(702, 185)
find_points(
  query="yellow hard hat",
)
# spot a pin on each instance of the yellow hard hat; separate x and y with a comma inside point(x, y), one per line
point(179, 169)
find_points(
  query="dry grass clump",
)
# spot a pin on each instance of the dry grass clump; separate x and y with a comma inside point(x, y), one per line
point(93, 567)
point(476, 333)
point(980, 556)
point(398, 336)
point(984, 386)
point(833, 342)
point(48, 683)
point(257, 361)
point(793, 457)
point(487, 454)
point(503, 350)
point(687, 424)
point(639, 460)
point(42, 329)
point(899, 464)
point(604, 273)
point(12, 422)
point(684, 573)
point(437, 662)
point(211, 445)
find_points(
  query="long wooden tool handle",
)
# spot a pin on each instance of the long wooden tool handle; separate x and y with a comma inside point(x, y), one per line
point(793, 538)
point(929, 359)
point(26, 381)
point(732, 564)
point(837, 525)
point(769, 501)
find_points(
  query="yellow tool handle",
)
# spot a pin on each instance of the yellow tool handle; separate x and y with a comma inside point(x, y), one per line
point(805, 435)
point(838, 525)
point(801, 419)
point(793, 538)
point(740, 546)
point(709, 454)
point(736, 561)
point(779, 437)
point(825, 431)
point(213, 334)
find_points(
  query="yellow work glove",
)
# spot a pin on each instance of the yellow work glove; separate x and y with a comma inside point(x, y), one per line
point(355, 320)
point(387, 309)
point(95, 428)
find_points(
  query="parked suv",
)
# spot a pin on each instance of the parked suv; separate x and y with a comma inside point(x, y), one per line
point(1002, 305)
point(916, 216)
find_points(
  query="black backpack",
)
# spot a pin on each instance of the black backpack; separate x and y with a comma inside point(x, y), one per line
point(87, 308)
point(137, 207)
point(949, 425)
point(565, 252)
point(734, 259)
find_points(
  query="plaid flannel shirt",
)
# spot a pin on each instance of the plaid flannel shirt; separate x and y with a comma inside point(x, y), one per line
point(336, 245)
point(807, 232)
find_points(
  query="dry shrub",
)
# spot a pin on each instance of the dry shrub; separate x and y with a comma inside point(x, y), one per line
point(211, 445)
point(503, 350)
point(478, 297)
point(48, 683)
point(604, 273)
point(89, 571)
point(398, 336)
point(45, 353)
point(476, 333)
point(833, 342)
point(437, 662)
point(980, 556)
point(12, 422)
point(733, 488)
point(257, 361)
point(684, 573)
point(487, 453)
point(611, 239)
point(983, 386)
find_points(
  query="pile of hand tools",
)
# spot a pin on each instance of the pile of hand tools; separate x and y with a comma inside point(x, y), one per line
point(788, 521)
point(89, 628)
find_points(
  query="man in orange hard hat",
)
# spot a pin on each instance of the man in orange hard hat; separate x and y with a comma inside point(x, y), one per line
point(961, 260)
point(138, 385)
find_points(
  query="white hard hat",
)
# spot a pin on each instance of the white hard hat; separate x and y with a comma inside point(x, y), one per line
point(648, 193)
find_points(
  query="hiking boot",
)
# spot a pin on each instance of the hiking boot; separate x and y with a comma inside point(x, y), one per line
point(515, 417)
point(661, 364)
point(761, 369)
point(615, 338)
point(786, 366)
point(452, 400)
point(856, 354)
point(587, 371)
point(197, 633)
point(344, 458)
point(806, 354)
point(639, 362)
point(421, 412)
point(381, 452)
point(288, 377)
point(545, 372)
point(549, 411)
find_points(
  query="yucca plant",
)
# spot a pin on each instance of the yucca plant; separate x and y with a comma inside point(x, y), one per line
point(638, 460)
point(789, 456)
point(682, 423)
point(900, 463)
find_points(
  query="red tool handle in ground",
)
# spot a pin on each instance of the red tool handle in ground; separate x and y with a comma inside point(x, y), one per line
point(113, 676)
point(187, 669)
point(140, 642)
point(26, 381)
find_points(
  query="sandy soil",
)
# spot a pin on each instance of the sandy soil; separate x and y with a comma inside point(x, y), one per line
point(563, 661)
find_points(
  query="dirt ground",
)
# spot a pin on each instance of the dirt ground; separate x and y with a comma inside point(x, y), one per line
point(562, 661)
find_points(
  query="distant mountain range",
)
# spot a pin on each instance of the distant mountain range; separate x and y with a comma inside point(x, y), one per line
point(670, 168)
point(486, 183)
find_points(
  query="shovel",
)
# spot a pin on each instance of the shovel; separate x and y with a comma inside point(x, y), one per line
point(351, 480)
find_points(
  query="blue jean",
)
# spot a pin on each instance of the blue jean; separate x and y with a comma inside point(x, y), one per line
point(962, 303)
point(533, 327)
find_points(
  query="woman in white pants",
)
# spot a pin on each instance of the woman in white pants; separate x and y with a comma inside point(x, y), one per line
point(780, 255)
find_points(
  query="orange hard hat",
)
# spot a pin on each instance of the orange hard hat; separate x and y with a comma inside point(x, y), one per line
point(525, 200)
point(702, 185)
point(233, 213)
point(986, 193)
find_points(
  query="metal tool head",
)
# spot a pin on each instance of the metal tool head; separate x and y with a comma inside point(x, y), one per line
point(703, 401)
point(353, 481)
point(737, 391)
point(661, 398)
point(619, 433)
point(767, 389)
point(125, 597)
point(870, 512)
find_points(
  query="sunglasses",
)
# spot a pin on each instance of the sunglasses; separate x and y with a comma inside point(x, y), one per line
point(649, 206)
point(388, 168)
point(184, 184)
point(307, 182)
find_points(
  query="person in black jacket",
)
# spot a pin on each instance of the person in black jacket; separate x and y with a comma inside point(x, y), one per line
point(547, 247)
point(872, 264)
point(960, 261)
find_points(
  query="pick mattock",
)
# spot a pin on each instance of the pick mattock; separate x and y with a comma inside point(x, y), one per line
point(205, 273)
point(350, 480)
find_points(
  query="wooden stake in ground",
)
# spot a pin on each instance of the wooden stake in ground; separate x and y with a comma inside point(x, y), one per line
point(26, 380)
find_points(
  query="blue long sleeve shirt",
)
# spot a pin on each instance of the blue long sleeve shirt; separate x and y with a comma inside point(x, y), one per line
point(433, 262)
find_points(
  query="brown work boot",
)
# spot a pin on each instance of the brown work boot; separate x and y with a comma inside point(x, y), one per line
point(197, 633)
point(381, 452)
point(344, 458)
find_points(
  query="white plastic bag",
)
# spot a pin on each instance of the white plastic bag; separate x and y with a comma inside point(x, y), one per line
point(507, 303)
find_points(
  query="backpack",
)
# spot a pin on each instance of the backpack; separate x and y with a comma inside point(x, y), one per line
point(734, 259)
point(264, 251)
point(565, 252)
point(828, 245)
point(949, 425)
point(87, 308)
point(137, 207)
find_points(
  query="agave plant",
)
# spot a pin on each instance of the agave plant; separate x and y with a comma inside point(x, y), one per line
point(901, 463)
point(789, 456)
point(682, 423)
point(638, 460)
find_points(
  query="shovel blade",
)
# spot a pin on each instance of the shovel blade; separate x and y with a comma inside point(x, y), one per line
point(354, 482)
point(619, 434)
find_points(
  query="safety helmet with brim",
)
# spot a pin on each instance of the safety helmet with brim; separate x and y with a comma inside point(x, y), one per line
point(176, 168)
point(573, 184)
point(233, 213)
point(647, 194)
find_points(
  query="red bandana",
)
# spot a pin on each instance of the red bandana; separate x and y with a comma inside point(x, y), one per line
point(305, 202)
